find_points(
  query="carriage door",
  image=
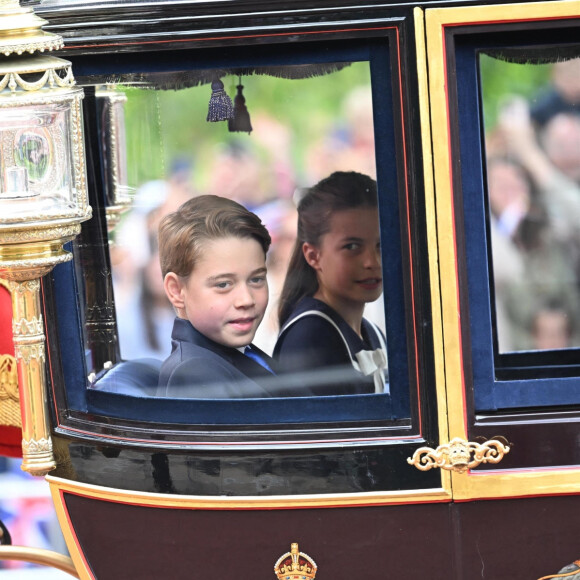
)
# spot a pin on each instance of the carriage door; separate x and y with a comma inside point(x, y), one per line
point(503, 90)
point(288, 469)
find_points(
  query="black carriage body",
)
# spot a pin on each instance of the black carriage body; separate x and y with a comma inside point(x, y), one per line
point(218, 489)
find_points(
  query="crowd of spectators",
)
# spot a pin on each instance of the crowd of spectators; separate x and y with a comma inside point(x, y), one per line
point(262, 173)
point(533, 182)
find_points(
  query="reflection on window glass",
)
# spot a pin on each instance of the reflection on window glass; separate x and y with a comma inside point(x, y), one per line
point(297, 129)
point(532, 126)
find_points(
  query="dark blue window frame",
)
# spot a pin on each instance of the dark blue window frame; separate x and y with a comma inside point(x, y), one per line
point(534, 381)
point(303, 410)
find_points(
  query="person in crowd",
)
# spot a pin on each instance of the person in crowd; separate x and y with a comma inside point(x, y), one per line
point(552, 327)
point(238, 173)
point(350, 143)
point(530, 263)
point(552, 160)
point(153, 200)
point(535, 205)
point(509, 198)
point(560, 139)
point(335, 270)
point(146, 316)
point(562, 95)
point(212, 252)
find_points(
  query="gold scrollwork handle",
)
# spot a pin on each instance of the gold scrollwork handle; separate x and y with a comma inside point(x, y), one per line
point(459, 455)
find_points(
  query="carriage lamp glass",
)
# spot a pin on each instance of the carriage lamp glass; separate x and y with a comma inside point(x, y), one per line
point(118, 193)
point(43, 199)
point(41, 153)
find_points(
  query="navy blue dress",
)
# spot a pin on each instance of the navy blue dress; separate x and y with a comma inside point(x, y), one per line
point(201, 368)
point(316, 340)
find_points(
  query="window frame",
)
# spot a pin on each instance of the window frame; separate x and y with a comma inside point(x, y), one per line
point(542, 440)
point(498, 383)
point(74, 419)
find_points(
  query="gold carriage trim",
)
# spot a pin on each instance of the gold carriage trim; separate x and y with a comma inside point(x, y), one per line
point(459, 455)
point(9, 396)
point(295, 565)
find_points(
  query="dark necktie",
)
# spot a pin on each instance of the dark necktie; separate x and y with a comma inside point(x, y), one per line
point(255, 356)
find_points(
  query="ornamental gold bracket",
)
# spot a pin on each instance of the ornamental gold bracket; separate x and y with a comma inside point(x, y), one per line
point(459, 455)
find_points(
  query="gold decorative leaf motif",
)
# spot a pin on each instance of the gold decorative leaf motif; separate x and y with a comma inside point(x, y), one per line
point(459, 455)
point(9, 396)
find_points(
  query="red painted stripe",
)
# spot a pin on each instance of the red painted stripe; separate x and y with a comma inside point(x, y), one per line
point(265, 35)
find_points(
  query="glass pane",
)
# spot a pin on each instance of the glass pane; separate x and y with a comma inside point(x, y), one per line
point(532, 128)
point(35, 152)
point(306, 122)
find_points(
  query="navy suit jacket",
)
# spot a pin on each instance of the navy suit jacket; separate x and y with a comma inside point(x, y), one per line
point(201, 368)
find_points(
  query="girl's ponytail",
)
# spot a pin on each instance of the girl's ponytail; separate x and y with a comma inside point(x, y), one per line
point(300, 282)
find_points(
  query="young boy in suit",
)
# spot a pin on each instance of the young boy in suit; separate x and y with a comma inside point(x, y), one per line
point(213, 259)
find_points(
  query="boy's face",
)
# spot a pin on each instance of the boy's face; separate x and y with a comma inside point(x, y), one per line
point(226, 295)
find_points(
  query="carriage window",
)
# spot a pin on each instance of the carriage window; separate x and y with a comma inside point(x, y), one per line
point(264, 158)
point(297, 131)
point(532, 127)
point(285, 129)
point(520, 194)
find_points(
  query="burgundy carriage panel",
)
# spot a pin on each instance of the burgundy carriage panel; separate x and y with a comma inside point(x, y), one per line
point(123, 541)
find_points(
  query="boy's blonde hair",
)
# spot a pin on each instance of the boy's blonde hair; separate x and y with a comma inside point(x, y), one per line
point(207, 217)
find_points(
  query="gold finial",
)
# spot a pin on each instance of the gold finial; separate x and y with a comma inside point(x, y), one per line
point(295, 565)
point(21, 31)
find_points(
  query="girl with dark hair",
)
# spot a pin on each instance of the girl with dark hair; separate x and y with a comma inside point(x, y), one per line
point(335, 270)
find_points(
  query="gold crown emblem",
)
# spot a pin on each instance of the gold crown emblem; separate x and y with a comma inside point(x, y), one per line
point(295, 565)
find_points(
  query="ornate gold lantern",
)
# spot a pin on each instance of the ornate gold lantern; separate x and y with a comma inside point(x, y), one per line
point(43, 198)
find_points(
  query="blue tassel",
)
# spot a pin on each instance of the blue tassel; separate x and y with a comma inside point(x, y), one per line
point(221, 107)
